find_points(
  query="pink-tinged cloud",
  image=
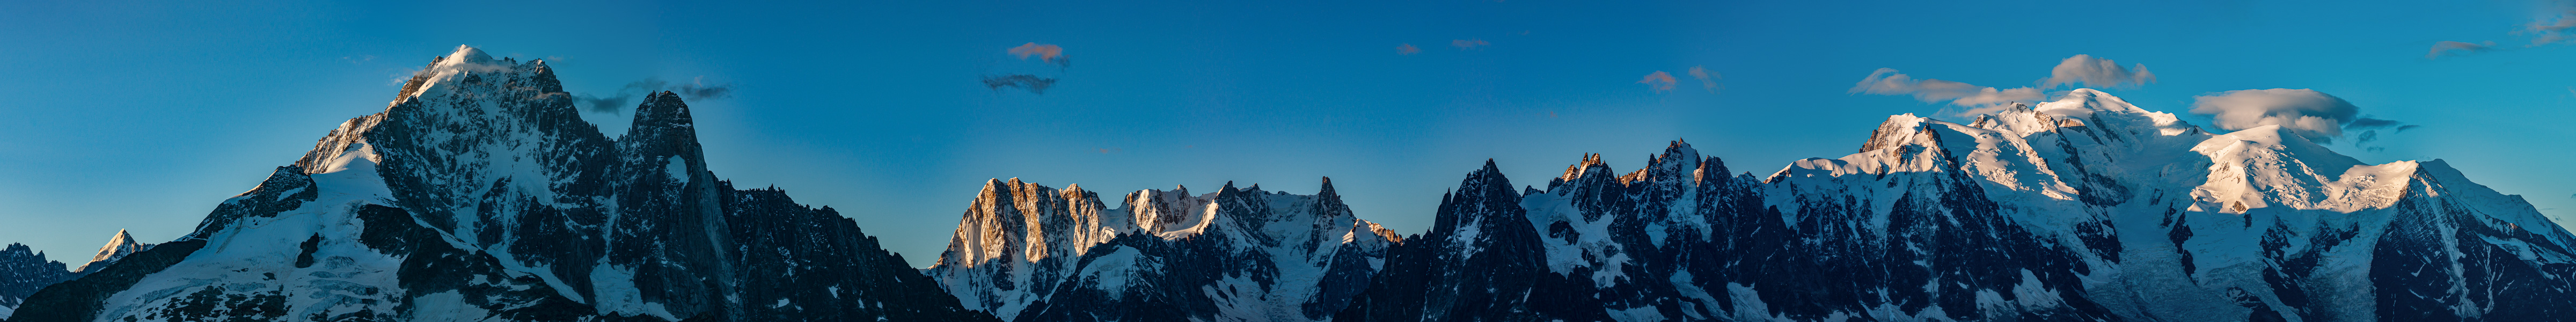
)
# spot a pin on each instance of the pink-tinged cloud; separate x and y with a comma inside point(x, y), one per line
point(1707, 79)
point(2553, 30)
point(1043, 51)
point(1660, 81)
point(1046, 52)
point(1407, 49)
point(1464, 44)
point(1978, 99)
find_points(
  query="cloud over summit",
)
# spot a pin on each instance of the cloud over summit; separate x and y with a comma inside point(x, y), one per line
point(2092, 71)
point(2309, 113)
point(2079, 69)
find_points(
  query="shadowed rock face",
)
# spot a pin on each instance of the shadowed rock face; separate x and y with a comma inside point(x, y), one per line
point(1027, 252)
point(480, 194)
point(22, 272)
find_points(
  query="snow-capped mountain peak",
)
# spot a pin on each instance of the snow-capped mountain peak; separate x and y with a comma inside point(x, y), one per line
point(117, 248)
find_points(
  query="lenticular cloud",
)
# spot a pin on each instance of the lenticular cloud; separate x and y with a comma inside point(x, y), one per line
point(2310, 113)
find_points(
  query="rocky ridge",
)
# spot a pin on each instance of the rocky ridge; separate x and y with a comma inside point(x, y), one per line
point(1027, 252)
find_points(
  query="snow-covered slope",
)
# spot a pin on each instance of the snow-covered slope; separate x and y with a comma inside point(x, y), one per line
point(480, 195)
point(1027, 252)
point(2085, 208)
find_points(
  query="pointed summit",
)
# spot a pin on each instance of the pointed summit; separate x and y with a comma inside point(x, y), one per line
point(116, 248)
point(1327, 190)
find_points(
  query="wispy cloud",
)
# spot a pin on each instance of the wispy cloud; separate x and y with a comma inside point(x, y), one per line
point(697, 88)
point(2454, 48)
point(1707, 79)
point(2556, 23)
point(1660, 81)
point(2368, 123)
point(2369, 128)
point(1032, 83)
point(1049, 53)
point(2098, 72)
point(2078, 69)
point(1407, 49)
point(404, 75)
point(2553, 29)
point(1465, 44)
point(1979, 99)
point(614, 102)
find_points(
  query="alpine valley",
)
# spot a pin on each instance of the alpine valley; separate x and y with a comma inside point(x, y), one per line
point(479, 194)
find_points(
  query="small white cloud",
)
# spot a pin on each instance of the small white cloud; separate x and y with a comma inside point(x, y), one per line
point(1407, 49)
point(2092, 71)
point(2309, 113)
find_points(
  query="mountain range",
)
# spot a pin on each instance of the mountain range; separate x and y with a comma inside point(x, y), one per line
point(479, 194)
point(2086, 208)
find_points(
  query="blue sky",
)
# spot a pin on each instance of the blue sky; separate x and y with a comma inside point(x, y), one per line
point(142, 116)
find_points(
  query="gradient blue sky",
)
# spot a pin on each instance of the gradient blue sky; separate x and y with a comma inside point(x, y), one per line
point(142, 116)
